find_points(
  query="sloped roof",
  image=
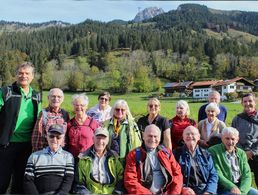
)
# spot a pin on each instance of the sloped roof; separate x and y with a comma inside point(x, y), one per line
point(204, 83)
point(168, 85)
point(230, 81)
point(180, 84)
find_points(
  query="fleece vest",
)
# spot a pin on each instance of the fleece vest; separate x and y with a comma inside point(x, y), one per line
point(9, 112)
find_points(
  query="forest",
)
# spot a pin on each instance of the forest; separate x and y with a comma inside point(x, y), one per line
point(190, 43)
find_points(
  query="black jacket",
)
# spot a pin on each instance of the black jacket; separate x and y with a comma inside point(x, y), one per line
point(10, 110)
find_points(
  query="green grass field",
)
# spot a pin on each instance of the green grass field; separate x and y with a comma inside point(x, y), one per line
point(137, 103)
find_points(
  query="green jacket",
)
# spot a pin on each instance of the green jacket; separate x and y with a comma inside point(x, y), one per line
point(224, 170)
point(128, 139)
point(115, 167)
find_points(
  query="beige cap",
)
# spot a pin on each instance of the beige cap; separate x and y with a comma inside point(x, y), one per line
point(101, 131)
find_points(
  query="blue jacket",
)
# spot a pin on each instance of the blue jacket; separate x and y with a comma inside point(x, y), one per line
point(205, 163)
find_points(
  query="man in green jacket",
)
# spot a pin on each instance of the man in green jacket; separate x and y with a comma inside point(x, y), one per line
point(99, 169)
point(232, 165)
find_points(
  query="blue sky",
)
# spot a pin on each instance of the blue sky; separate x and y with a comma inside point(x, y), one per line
point(76, 11)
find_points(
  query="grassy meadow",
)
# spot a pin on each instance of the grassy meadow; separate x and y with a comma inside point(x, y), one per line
point(137, 103)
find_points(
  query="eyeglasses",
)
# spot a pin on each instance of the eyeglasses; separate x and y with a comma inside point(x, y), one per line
point(55, 136)
point(153, 105)
point(102, 98)
point(120, 109)
point(56, 96)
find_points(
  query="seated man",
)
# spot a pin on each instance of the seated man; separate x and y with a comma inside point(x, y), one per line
point(196, 163)
point(99, 168)
point(152, 168)
point(231, 165)
point(51, 170)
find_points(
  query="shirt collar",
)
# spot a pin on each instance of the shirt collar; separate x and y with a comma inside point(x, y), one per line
point(49, 151)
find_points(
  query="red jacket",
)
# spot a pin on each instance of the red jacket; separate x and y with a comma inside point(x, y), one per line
point(132, 173)
point(177, 127)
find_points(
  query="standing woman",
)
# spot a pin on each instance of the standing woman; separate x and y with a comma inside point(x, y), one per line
point(153, 117)
point(180, 122)
point(101, 111)
point(124, 132)
point(211, 127)
point(80, 129)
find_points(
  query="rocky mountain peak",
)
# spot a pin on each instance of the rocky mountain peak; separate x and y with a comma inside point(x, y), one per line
point(148, 13)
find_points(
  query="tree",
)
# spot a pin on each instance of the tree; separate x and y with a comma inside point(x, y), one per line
point(142, 82)
point(76, 81)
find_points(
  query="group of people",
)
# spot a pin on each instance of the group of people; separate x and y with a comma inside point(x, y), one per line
point(104, 150)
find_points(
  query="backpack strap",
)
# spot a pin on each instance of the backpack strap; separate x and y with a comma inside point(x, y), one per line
point(164, 149)
point(138, 155)
point(44, 116)
point(249, 119)
point(64, 114)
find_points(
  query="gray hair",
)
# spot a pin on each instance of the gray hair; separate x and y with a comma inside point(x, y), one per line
point(214, 92)
point(152, 126)
point(124, 104)
point(213, 106)
point(82, 96)
point(230, 130)
point(185, 105)
point(26, 65)
point(50, 93)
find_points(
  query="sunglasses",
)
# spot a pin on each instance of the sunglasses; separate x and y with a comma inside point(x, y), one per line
point(55, 136)
point(120, 109)
point(102, 98)
point(155, 105)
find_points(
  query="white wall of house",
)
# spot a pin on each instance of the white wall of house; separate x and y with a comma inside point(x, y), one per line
point(201, 92)
point(228, 89)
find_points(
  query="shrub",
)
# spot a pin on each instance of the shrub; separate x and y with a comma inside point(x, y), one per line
point(232, 96)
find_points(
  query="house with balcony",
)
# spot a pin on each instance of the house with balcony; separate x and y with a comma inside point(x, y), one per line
point(238, 84)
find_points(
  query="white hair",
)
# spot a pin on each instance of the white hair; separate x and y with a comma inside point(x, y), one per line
point(185, 105)
point(213, 106)
point(230, 130)
point(82, 96)
point(124, 104)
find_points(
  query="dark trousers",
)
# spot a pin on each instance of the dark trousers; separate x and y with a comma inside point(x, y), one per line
point(254, 168)
point(13, 160)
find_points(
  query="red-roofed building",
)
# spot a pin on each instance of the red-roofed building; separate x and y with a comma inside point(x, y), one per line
point(201, 89)
point(238, 84)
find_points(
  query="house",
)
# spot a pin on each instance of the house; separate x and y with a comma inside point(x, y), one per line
point(238, 84)
point(180, 87)
point(201, 89)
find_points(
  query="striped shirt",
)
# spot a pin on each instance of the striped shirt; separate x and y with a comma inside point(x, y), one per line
point(48, 171)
